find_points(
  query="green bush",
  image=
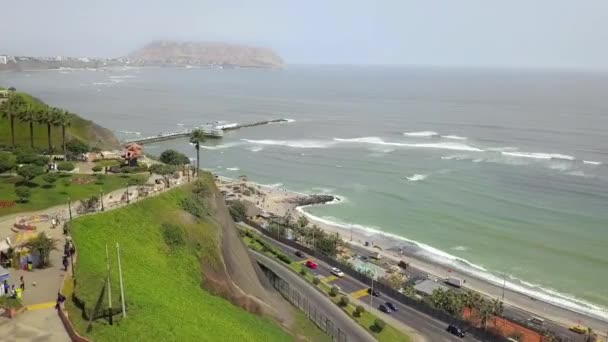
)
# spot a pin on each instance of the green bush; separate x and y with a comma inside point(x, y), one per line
point(30, 171)
point(7, 161)
point(284, 258)
point(303, 271)
point(359, 310)
point(28, 157)
point(50, 178)
point(172, 157)
point(316, 280)
point(97, 168)
point(173, 235)
point(65, 166)
point(100, 178)
point(344, 301)
point(76, 146)
point(23, 192)
point(334, 291)
point(193, 206)
point(379, 324)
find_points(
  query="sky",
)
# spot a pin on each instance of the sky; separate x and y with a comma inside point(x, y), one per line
point(471, 33)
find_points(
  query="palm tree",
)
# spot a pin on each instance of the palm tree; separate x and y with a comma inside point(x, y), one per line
point(65, 120)
point(197, 137)
point(29, 114)
point(43, 244)
point(10, 109)
point(49, 116)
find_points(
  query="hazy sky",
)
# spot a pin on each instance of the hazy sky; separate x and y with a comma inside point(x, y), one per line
point(510, 33)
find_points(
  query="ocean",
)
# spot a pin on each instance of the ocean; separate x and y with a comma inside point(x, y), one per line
point(502, 173)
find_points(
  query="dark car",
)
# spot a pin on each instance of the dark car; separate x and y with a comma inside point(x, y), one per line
point(373, 293)
point(454, 330)
point(391, 306)
point(384, 309)
point(300, 254)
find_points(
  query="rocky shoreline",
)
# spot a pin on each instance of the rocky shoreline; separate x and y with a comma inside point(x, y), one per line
point(301, 201)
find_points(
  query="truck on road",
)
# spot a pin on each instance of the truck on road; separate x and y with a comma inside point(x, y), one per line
point(457, 282)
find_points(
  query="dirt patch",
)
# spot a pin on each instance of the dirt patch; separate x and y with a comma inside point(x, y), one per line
point(83, 180)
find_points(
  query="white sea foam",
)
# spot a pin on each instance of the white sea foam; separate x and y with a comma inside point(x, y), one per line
point(416, 177)
point(439, 145)
point(502, 149)
point(538, 155)
point(454, 137)
point(122, 76)
point(103, 83)
point(232, 169)
point(590, 162)
point(577, 173)
point(220, 146)
point(447, 260)
point(130, 132)
point(460, 248)
point(422, 134)
point(256, 149)
point(292, 143)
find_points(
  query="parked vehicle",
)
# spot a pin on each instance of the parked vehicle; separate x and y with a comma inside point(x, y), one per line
point(384, 309)
point(537, 320)
point(337, 272)
point(457, 282)
point(300, 254)
point(373, 293)
point(391, 306)
point(454, 330)
point(311, 264)
point(376, 255)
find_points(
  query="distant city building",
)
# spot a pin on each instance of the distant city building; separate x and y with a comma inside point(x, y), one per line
point(3, 59)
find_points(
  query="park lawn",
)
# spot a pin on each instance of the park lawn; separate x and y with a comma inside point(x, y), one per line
point(306, 330)
point(43, 197)
point(164, 299)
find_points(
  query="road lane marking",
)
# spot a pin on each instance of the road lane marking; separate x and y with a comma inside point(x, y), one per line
point(359, 294)
point(40, 306)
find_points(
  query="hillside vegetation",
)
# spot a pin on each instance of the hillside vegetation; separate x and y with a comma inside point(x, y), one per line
point(84, 130)
point(168, 255)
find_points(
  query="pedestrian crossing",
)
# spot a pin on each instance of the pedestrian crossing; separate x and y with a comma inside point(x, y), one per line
point(40, 306)
point(359, 294)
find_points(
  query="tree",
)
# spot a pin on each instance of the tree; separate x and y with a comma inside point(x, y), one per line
point(23, 192)
point(7, 161)
point(303, 221)
point(10, 109)
point(334, 291)
point(42, 244)
point(30, 171)
point(172, 157)
point(197, 137)
point(29, 115)
point(76, 146)
point(65, 166)
point(359, 310)
point(379, 324)
point(50, 178)
point(344, 301)
point(97, 168)
point(64, 120)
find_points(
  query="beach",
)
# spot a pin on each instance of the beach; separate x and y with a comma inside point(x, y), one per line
point(280, 202)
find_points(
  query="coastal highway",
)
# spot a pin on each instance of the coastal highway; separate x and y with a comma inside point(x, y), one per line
point(430, 328)
point(353, 331)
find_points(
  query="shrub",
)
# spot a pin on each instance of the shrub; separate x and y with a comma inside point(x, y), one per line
point(7, 161)
point(193, 206)
point(97, 168)
point(173, 235)
point(237, 210)
point(303, 271)
point(316, 280)
point(284, 258)
point(65, 166)
point(29, 157)
point(359, 310)
point(30, 172)
point(344, 301)
point(100, 179)
point(50, 178)
point(76, 146)
point(172, 157)
point(23, 192)
point(334, 291)
point(379, 324)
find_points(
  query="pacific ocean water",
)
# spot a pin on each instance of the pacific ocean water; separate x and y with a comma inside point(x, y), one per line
point(503, 172)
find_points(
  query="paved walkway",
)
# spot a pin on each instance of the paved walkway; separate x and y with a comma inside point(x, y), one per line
point(32, 326)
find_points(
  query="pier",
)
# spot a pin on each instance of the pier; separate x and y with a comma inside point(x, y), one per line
point(185, 133)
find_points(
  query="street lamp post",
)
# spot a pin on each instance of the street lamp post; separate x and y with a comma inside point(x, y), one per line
point(101, 199)
point(70, 208)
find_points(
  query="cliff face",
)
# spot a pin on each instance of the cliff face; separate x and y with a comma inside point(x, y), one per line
point(205, 54)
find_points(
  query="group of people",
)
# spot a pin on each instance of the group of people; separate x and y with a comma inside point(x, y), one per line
point(12, 291)
point(68, 250)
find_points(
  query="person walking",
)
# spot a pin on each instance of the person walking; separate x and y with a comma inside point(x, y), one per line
point(65, 263)
point(22, 286)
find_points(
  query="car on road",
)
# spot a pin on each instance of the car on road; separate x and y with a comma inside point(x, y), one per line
point(384, 309)
point(373, 293)
point(390, 306)
point(454, 330)
point(311, 264)
point(578, 329)
point(337, 272)
point(300, 254)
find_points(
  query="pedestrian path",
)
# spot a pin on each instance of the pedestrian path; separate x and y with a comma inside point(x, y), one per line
point(40, 306)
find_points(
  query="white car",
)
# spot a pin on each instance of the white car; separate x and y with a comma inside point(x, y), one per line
point(337, 272)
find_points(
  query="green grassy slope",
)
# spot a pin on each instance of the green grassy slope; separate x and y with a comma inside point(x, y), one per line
point(162, 284)
point(44, 197)
point(81, 129)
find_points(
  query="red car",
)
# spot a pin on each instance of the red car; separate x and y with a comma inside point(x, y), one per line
point(311, 264)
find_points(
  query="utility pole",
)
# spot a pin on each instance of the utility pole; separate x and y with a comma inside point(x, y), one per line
point(109, 285)
point(70, 208)
point(122, 289)
point(101, 199)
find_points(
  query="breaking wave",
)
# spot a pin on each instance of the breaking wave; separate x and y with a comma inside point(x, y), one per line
point(416, 177)
point(292, 143)
point(232, 169)
point(439, 145)
point(422, 134)
point(454, 137)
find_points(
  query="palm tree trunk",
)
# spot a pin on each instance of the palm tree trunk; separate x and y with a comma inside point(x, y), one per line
point(63, 138)
point(198, 149)
point(32, 134)
point(48, 132)
point(13, 130)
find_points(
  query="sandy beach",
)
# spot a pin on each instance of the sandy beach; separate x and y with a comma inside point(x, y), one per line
point(276, 200)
